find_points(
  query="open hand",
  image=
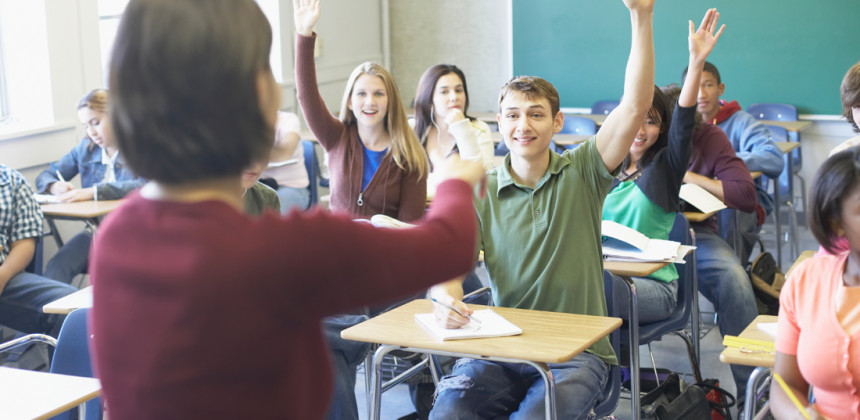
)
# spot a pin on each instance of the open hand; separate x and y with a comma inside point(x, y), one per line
point(83, 194)
point(447, 318)
point(306, 13)
point(702, 40)
point(639, 5)
point(453, 167)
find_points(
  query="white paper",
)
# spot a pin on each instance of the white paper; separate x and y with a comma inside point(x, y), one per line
point(622, 243)
point(768, 327)
point(46, 198)
point(701, 198)
point(284, 163)
point(381, 220)
point(491, 325)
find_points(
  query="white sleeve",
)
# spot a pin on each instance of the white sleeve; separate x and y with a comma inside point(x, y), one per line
point(474, 141)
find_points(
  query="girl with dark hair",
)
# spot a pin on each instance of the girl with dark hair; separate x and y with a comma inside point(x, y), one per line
point(104, 176)
point(818, 333)
point(442, 122)
point(644, 195)
point(182, 278)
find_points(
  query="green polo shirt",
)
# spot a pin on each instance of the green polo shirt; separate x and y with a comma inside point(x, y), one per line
point(542, 246)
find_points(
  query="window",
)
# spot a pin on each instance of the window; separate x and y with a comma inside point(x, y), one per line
point(110, 12)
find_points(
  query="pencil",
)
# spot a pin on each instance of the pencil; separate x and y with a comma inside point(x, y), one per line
point(446, 306)
point(791, 395)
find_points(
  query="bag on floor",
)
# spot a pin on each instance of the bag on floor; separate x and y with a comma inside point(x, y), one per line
point(767, 281)
point(675, 400)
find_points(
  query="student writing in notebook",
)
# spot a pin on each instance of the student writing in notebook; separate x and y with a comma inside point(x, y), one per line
point(539, 228)
point(818, 332)
point(104, 176)
point(644, 195)
point(181, 278)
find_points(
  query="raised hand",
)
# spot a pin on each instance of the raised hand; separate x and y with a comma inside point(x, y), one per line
point(639, 5)
point(306, 13)
point(702, 40)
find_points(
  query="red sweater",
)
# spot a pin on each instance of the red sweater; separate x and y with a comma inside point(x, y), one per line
point(201, 312)
point(392, 191)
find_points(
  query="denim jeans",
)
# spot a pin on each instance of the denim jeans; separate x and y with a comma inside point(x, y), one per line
point(724, 282)
point(291, 198)
point(655, 299)
point(21, 304)
point(482, 389)
point(346, 356)
point(71, 259)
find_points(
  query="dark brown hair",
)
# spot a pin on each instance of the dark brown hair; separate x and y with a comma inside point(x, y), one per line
point(851, 94)
point(532, 87)
point(183, 79)
point(660, 113)
point(424, 96)
point(837, 177)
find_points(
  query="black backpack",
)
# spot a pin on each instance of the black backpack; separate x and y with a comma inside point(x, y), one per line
point(767, 281)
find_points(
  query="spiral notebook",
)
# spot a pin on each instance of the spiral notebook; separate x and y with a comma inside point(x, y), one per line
point(491, 325)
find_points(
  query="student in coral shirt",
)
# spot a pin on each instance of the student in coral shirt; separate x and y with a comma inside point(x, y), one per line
point(818, 338)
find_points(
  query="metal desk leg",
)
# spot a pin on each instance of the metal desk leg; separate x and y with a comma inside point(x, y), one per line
point(54, 232)
point(633, 343)
point(376, 401)
point(758, 375)
point(777, 227)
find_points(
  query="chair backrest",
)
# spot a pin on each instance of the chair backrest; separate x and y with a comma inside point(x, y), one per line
point(603, 107)
point(612, 389)
point(578, 125)
point(773, 111)
point(72, 357)
point(501, 149)
point(312, 166)
point(780, 134)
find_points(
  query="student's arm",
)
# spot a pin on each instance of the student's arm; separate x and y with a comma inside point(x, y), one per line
point(20, 254)
point(713, 186)
point(473, 136)
point(322, 123)
point(733, 184)
point(757, 148)
point(287, 137)
point(781, 404)
point(618, 131)
point(450, 293)
point(48, 182)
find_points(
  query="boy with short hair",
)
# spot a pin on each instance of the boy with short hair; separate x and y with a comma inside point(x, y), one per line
point(22, 295)
point(549, 206)
point(752, 142)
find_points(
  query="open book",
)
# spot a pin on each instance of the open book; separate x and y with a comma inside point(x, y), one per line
point(621, 243)
point(491, 325)
point(700, 198)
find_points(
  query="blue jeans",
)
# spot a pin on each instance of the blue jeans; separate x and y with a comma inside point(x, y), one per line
point(479, 389)
point(21, 304)
point(655, 299)
point(299, 198)
point(724, 282)
point(346, 356)
point(71, 259)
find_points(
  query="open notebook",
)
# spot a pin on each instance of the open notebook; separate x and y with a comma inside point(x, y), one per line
point(491, 325)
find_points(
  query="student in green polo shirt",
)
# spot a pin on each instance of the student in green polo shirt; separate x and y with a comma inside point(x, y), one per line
point(539, 228)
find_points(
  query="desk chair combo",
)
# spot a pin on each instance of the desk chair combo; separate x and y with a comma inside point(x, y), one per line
point(71, 357)
point(686, 313)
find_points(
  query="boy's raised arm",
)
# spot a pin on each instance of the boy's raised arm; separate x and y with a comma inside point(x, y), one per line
point(617, 133)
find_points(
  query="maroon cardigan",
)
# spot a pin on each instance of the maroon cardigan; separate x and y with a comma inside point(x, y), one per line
point(392, 191)
point(714, 157)
point(202, 312)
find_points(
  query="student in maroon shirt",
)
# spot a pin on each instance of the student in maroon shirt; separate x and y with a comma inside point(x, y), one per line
point(182, 278)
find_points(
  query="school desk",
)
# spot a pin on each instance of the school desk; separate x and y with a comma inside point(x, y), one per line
point(88, 212)
point(697, 216)
point(38, 395)
point(762, 361)
point(548, 337)
point(795, 126)
point(65, 305)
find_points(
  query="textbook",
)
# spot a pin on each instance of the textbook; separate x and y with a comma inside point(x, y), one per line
point(621, 243)
point(491, 325)
point(700, 198)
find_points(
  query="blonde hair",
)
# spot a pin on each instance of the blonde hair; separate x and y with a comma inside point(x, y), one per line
point(97, 100)
point(405, 148)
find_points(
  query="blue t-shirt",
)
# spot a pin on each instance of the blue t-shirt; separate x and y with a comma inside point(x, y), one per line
point(372, 160)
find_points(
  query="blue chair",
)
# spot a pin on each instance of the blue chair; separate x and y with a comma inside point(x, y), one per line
point(783, 112)
point(501, 149)
point(72, 357)
point(578, 125)
point(312, 166)
point(612, 390)
point(686, 313)
point(603, 107)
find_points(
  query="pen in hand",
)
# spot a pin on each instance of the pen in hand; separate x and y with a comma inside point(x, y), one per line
point(57, 171)
point(446, 306)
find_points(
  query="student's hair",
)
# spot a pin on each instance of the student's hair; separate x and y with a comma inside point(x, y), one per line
point(673, 92)
point(405, 148)
point(532, 87)
point(661, 113)
point(709, 67)
point(851, 94)
point(424, 96)
point(97, 100)
point(837, 177)
point(184, 98)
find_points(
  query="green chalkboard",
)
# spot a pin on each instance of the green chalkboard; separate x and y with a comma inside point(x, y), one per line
point(788, 51)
